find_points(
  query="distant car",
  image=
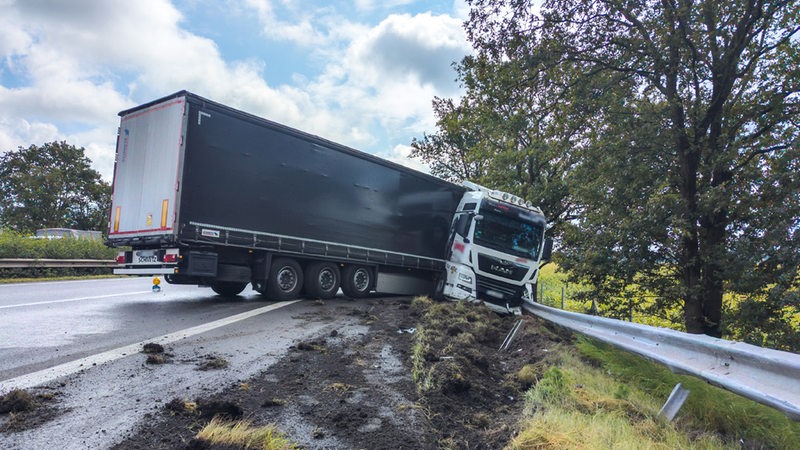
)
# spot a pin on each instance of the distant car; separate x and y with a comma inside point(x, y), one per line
point(68, 233)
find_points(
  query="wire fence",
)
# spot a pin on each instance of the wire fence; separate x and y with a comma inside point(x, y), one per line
point(633, 308)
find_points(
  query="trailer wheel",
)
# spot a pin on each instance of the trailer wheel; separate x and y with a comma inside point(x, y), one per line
point(228, 288)
point(285, 279)
point(357, 281)
point(322, 280)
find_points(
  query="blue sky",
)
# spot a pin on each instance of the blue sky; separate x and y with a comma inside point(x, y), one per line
point(359, 72)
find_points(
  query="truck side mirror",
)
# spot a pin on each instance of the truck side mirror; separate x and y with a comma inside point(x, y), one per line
point(547, 251)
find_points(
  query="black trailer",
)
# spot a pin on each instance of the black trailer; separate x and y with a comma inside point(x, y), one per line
point(208, 194)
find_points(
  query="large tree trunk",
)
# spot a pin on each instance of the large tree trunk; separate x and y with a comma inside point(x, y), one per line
point(713, 257)
point(693, 302)
point(693, 310)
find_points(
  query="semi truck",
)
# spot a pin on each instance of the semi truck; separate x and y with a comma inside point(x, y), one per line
point(209, 195)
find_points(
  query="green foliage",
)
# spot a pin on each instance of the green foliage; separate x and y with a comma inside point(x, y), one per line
point(768, 319)
point(20, 245)
point(504, 133)
point(52, 186)
point(767, 322)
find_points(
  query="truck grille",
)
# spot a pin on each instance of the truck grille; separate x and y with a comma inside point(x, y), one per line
point(502, 268)
point(499, 293)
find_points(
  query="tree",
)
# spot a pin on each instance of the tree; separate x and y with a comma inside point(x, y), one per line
point(52, 186)
point(503, 134)
point(682, 119)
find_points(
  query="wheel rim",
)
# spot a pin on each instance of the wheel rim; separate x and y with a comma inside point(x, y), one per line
point(326, 279)
point(287, 279)
point(361, 280)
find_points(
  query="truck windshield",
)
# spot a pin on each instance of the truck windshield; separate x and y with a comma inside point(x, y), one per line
point(509, 234)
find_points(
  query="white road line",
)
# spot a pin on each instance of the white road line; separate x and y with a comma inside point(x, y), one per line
point(46, 375)
point(49, 302)
point(44, 283)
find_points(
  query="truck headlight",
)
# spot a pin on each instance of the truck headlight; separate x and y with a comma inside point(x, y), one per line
point(465, 278)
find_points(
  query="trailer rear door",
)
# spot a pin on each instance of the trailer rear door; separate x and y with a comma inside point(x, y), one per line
point(146, 174)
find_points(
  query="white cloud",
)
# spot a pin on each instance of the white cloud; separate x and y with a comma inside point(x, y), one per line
point(369, 5)
point(73, 61)
point(404, 47)
point(401, 154)
point(300, 31)
point(77, 63)
point(390, 74)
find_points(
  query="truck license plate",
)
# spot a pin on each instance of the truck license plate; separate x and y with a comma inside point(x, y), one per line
point(145, 257)
point(494, 293)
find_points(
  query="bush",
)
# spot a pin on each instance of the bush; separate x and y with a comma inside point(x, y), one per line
point(16, 245)
point(20, 246)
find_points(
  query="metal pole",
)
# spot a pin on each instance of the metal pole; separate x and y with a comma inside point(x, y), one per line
point(674, 403)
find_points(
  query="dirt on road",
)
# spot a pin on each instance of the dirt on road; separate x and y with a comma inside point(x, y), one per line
point(424, 375)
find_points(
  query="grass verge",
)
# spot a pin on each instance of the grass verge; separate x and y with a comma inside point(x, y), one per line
point(244, 435)
point(605, 398)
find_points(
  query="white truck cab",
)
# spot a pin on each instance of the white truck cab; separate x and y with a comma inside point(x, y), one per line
point(496, 245)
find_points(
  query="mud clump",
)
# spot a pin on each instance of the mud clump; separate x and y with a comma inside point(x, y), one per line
point(213, 363)
point(311, 346)
point(156, 359)
point(208, 409)
point(153, 348)
point(17, 401)
point(20, 410)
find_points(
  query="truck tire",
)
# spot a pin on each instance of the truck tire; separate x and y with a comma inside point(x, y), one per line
point(228, 288)
point(322, 280)
point(285, 279)
point(438, 290)
point(357, 281)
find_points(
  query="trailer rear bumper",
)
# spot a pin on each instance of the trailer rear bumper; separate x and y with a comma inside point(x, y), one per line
point(145, 271)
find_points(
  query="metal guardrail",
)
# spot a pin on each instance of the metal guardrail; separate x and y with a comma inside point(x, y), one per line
point(21, 263)
point(768, 376)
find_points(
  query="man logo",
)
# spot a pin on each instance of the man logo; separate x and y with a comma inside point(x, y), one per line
point(501, 270)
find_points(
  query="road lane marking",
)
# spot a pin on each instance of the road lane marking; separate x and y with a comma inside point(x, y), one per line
point(69, 368)
point(50, 302)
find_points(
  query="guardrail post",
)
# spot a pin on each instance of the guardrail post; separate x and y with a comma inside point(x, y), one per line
point(562, 297)
point(674, 403)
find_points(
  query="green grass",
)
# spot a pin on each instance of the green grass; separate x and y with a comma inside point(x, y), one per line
point(577, 406)
point(244, 435)
point(710, 407)
point(599, 397)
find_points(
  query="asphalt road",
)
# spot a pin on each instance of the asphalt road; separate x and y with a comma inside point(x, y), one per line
point(46, 324)
point(82, 341)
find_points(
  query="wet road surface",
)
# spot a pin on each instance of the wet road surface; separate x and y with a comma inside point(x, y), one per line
point(43, 325)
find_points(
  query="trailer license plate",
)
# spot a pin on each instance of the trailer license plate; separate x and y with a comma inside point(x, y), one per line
point(145, 257)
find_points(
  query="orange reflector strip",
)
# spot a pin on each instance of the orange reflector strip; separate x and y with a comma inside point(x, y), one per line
point(116, 220)
point(164, 209)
